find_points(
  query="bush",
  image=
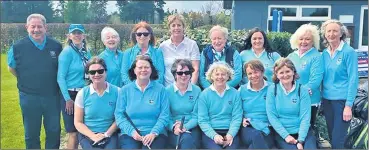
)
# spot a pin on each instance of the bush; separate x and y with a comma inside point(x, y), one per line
point(280, 42)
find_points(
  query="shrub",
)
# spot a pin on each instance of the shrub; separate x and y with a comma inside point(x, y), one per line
point(280, 42)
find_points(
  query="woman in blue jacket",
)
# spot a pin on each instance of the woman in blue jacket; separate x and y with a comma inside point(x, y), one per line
point(183, 95)
point(256, 132)
point(112, 56)
point(145, 103)
point(256, 46)
point(94, 109)
point(220, 112)
point(71, 77)
point(340, 81)
point(308, 62)
point(288, 108)
point(143, 38)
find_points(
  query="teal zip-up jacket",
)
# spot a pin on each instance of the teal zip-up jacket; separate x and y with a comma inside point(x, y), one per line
point(129, 56)
point(237, 71)
point(289, 113)
point(113, 63)
point(183, 105)
point(148, 110)
point(341, 79)
point(217, 112)
point(71, 71)
point(309, 67)
point(254, 106)
point(247, 55)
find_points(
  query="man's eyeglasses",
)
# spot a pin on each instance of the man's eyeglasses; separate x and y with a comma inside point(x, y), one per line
point(183, 72)
point(142, 33)
point(93, 72)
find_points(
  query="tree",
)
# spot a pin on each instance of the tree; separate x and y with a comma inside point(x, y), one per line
point(59, 12)
point(133, 11)
point(114, 18)
point(76, 11)
point(97, 12)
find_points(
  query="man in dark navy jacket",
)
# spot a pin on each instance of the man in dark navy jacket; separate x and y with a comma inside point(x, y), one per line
point(33, 61)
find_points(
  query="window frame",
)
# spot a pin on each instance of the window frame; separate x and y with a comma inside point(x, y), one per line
point(361, 46)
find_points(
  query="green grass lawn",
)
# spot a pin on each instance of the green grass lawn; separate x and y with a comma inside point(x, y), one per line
point(12, 131)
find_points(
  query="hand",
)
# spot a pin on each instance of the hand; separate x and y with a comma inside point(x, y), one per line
point(246, 122)
point(69, 104)
point(299, 146)
point(228, 140)
point(148, 139)
point(347, 113)
point(136, 136)
point(218, 139)
point(289, 139)
point(97, 137)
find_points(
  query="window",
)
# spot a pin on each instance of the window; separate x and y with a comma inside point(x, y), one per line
point(296, 15)
point(363, 35)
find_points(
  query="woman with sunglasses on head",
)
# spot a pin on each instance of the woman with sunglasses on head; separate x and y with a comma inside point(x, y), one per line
point(94, 109)
point(256, 46)
point(220, 109)
point(256, 132)
point(145, 103)
point(143, 38)
point(288, 107)
point(183, 96)
point(71, 77)
point(112, 55)
point(179, 47)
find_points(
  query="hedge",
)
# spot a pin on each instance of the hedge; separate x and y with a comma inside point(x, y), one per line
point(11, 32)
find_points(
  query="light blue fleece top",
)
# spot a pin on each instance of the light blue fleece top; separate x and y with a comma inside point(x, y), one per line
point(309, 67)
point(98, 110)
point(149, 110)
point(247, 55)
point(183, 105)
point(113, 61)
point(253, 104)
point(71, 71)
point(11, 61)
point(341, 79)
point(129, 56)
point(237, 68)
point(289, 113)
point(216, 112)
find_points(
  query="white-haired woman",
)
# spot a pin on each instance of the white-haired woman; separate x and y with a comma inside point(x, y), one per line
point(340, 81)
point(220, 112)
point(112, 56)
point(220, 51)
point(308, 62)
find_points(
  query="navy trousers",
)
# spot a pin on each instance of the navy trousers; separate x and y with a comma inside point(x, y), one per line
point(68, 119)
point(255, 139)
point(127, 142)
point(337, 127)
point(34, 108)
point(310, 142)
point(86, 143)
point(209, 143)
point(187, 141)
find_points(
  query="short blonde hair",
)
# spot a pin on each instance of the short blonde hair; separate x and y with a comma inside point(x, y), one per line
point(221, 29)
point(39, 16)
point(106, 30)
point(343, 30)
point(174, 17)
point(303, 29)
point(281, 62)
point(219, 66)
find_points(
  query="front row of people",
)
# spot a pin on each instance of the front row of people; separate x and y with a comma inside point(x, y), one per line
point(144, 114)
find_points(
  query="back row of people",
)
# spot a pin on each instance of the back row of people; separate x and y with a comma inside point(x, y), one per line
point(339, 72)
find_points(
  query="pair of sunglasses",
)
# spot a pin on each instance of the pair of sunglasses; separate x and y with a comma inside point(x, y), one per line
point(183, 72)
point(142, 33)
point(93, 72)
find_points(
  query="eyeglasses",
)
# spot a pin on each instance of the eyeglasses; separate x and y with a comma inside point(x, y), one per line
point(93, 72)
point(183, 72)
point(142, 33)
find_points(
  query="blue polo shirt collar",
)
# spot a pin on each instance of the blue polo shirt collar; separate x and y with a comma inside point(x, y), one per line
point(39, 46)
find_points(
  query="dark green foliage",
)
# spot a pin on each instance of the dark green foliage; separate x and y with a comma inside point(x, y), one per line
point(280, 42)
point(17, 11)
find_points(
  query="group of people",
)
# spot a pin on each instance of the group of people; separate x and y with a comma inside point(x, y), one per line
point(174, 96)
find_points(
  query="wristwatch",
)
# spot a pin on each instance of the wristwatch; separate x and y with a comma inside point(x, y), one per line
point(106, 135)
